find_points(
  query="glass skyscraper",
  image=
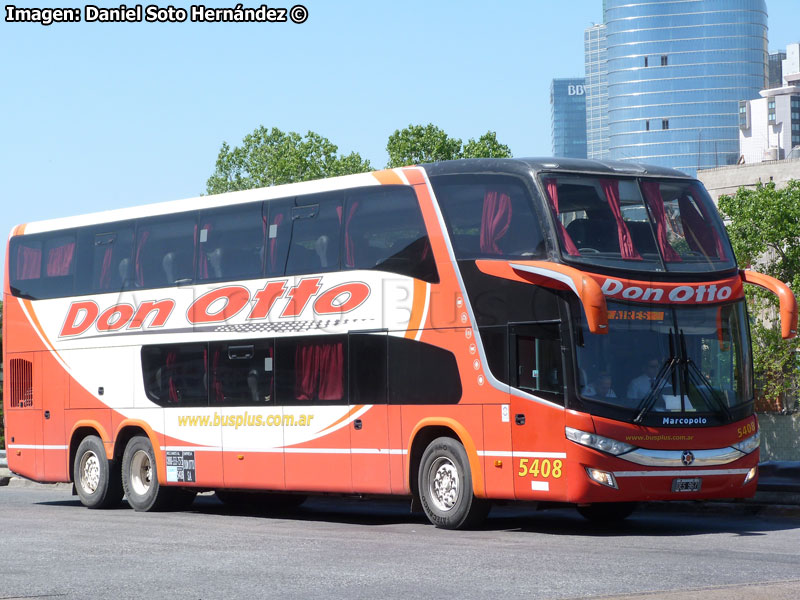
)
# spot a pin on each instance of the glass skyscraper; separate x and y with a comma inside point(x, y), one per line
point(676, 73)
point(568, 117)
point(594, 46)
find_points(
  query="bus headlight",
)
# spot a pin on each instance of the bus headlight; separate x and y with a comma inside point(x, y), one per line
point(750, 444)
point(750, 475)
point(602, 477)
point(598, 442)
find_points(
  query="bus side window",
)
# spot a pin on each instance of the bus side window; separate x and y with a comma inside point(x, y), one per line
point(384, 230)
point(230, 243)
point(176, 374)
point(240, 372)
point(535, 356)
point(43, 265)
point(277, 215)
point(164, 251)
point(111, 259)
point(421, 373)
point(314, 244)
point(311, 370)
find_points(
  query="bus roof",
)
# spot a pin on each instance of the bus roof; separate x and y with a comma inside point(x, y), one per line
point(518, 166)
point(550, 164)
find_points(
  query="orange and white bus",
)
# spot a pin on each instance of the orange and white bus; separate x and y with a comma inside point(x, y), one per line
point(552, 331)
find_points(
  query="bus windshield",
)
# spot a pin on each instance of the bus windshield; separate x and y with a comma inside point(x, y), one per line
point(662, 359)
point(642, 225)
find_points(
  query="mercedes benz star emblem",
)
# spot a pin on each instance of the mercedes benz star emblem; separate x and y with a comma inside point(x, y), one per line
point(687, 458)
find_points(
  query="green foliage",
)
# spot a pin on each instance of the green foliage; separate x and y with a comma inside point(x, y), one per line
point(764, 226)
point(272, 157)
point(486, 146)
point(417, 144)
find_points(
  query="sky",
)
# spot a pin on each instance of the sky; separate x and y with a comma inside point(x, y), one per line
point(95, 116)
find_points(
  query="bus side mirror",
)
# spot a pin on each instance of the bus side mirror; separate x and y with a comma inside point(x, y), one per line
point(556, 276)
point(788, 303)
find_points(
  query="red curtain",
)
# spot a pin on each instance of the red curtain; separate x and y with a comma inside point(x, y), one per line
point(59, 260)
point(138, 269)
point(551, 185)
point(611, 190)
point(495, 221)
point(700, 232)
point(29, 263)
point(652, 195)
point(171, 371)
point(105, 269)
point(319, 371)
point(349, 244)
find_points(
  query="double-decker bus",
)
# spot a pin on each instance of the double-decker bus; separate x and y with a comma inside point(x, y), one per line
point(552, 331)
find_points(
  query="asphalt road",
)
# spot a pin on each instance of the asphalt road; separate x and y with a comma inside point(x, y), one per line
point(344, 548)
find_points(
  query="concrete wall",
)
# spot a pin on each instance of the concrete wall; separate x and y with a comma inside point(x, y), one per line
point(780, 436)
point(726, 180)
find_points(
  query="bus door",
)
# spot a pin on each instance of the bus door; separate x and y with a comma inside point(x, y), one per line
point(311, 386)
point(55, 395)
point(369, 432)
point(537, 423)
point(242, 387)
point(24, 416)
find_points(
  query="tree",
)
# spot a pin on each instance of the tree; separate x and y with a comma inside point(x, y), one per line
point(486, 146)
point(418, 144)
point(272, 157)
point(764, 227)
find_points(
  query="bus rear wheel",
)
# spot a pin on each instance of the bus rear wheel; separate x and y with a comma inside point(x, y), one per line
point(140, 477)
point(445, 486)
point(97, 480)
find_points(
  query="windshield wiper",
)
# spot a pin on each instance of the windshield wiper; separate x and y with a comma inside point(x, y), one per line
point(700, 380)
point(647, 403)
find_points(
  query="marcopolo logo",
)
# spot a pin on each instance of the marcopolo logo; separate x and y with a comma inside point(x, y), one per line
point(694, 294)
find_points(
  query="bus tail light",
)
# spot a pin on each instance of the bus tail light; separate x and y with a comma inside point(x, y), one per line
point(602, 477)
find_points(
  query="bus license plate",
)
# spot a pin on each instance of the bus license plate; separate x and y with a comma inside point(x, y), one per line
point(686, 485)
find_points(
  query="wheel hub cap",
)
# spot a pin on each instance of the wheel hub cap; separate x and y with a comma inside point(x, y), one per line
point(90, 472)
point(444, 484)
point(141, 472)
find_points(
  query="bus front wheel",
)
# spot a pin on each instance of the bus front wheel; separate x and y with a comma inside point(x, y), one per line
point(140, 478)
point(445, 486)
point(97, 480)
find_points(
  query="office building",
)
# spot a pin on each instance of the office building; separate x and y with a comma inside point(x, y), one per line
point(596, 88)
point(676, 73)
point(776, 69)
point(568, 117)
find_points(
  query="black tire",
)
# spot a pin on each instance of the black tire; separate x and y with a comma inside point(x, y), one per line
point(445, 486)
point(140, 477)
point(97, 480)
point(260, 501)
point(607, 513)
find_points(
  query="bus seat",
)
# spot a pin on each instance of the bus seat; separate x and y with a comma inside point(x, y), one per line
point(215, 258)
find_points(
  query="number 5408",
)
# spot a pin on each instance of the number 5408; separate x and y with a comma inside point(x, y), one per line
point(540, 468)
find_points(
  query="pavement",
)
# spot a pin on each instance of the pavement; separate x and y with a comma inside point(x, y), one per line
point(778, 491)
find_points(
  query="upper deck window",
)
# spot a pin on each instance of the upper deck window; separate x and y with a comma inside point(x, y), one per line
point(489, 216)
point(638, 224)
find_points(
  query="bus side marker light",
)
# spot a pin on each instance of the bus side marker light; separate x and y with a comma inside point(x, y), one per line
point(240, 457)
point(750, 475)
point(602, 477)
point(498, 464)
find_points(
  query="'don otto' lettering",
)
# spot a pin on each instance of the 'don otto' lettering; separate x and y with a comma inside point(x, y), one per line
point(219, 305)
point(683, 293)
